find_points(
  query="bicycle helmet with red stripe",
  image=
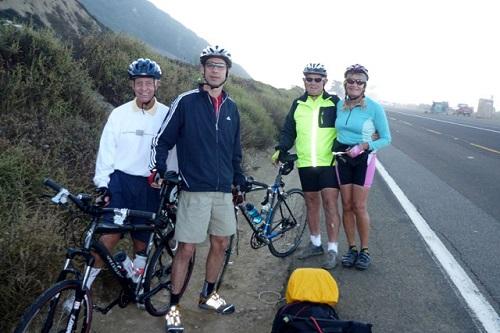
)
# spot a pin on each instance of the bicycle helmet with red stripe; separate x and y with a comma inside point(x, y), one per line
point(144, 68)
point(217, 52)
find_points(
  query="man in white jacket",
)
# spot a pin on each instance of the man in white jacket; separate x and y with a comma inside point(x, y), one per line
point(122, 161)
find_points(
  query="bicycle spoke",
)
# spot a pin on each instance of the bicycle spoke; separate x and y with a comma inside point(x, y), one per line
point(288, 223)
point(50, 313)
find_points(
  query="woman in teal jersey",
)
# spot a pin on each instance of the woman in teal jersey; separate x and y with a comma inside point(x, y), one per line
point(358, 118)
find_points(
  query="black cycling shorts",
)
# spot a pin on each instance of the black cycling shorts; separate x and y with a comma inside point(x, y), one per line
point(132, 192)
point(314, 179)
point(359, 170)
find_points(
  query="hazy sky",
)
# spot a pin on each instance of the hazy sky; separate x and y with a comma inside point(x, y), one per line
point(415, 51)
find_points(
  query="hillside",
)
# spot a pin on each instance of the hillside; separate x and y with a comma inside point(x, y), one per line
point(153, 26)
point(67, 18)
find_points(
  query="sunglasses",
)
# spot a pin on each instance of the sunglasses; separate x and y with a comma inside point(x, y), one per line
point(316, 79)
point(215, 65)
point(358, 82)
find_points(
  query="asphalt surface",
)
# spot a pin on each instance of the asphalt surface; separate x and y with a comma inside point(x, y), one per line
point(449, 168)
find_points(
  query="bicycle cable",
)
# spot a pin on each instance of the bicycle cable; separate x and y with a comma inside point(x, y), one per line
point(270, 292)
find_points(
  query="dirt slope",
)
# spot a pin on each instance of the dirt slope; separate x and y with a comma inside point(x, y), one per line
point(254, 282)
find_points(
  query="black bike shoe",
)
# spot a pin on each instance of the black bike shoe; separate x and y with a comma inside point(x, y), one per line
point(350, 258)
point(363, 261)
point(216, 303)
point(311, 250)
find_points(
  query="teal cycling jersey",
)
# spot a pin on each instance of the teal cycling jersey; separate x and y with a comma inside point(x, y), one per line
point(358, 124)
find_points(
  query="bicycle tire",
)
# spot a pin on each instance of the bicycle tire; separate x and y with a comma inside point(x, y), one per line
point(288, 222)
point(158, 280)
point(47, 313)
point(227, 256)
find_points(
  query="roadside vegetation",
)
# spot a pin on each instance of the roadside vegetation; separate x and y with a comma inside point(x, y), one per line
point(55, 101)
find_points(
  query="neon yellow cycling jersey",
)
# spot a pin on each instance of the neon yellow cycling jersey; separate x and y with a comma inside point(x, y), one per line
point(310, 125)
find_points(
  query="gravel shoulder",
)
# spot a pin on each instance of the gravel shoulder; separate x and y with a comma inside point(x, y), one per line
point(254, 281)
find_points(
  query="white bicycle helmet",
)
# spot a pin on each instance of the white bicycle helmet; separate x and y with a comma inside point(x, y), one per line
point(218, 52)
point(315, 68)
point(356, 69)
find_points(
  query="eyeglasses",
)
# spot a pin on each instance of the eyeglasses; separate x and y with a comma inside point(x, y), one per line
point(358, 82)
point(215, 65)
point(315, 79)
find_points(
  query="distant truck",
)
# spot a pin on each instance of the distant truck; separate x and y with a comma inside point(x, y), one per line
point(485, 108)
point(464, 110)
point(440, 107)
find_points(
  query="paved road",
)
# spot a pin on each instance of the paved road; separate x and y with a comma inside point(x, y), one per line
point(451, 173)
point(455, 187)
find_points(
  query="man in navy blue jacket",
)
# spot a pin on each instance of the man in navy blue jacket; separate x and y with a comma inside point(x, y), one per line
point(204, 126)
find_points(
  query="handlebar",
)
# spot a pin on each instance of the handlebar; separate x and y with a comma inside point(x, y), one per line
point(253, 182)
point(284, 169)
point(285, 158)
point(82, 201)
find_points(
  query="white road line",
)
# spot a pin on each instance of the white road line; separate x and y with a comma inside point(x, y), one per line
point(433, 131)
point(479, 306)
point(485, 148)
point(447, 122)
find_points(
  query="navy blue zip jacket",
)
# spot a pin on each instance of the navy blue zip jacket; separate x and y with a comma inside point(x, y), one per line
point(208, 146)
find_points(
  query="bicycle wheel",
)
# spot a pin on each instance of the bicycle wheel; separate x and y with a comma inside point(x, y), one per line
point(48, 314)
point(157, 282)
point(227, 256)
point(288, 222)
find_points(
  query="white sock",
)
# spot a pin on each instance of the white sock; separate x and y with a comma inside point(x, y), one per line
point(333, 246)
point(92, 275)
point(316, 240)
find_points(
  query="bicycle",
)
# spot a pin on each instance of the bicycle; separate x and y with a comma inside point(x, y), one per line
point(284, 224)
point(47, 313)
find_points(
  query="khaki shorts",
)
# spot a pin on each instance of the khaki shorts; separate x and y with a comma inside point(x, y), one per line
point(202, 213)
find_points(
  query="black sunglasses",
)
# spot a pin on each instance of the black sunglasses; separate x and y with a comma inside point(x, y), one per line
point(358, 82)
point(316, 79)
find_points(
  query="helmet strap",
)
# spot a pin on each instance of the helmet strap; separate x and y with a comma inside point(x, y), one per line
point(205, 82)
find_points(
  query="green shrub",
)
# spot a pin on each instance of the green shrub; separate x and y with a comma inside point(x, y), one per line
point(52, 118)
point(108, 56)
point(50, 124)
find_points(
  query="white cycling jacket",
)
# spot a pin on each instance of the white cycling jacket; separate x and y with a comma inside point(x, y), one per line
point(126, 141)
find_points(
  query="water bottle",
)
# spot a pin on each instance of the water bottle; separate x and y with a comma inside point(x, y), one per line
point(253, 213)
point(139, 264)
point(126, 263)
point(264, 211)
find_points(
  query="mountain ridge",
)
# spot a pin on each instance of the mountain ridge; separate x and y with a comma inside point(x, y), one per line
point(161, 31)
point(67, 18)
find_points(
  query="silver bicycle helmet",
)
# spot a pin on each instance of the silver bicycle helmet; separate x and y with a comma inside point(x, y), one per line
point(315, 68)
point(217, 52)
point(356, 69)
point(144, 68)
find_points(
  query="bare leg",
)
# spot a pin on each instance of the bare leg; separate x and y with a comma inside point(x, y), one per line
point(215, 257)
point(330, 197)
point(312, 206)
point(348, 217)
point(138, 245)
point(180, 265)
point(360, 199)
point(109, 241)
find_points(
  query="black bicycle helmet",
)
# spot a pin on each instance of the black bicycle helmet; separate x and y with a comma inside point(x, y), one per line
point(315, 68)
point(356, 69)
point(217, 52)
point(144, 68)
